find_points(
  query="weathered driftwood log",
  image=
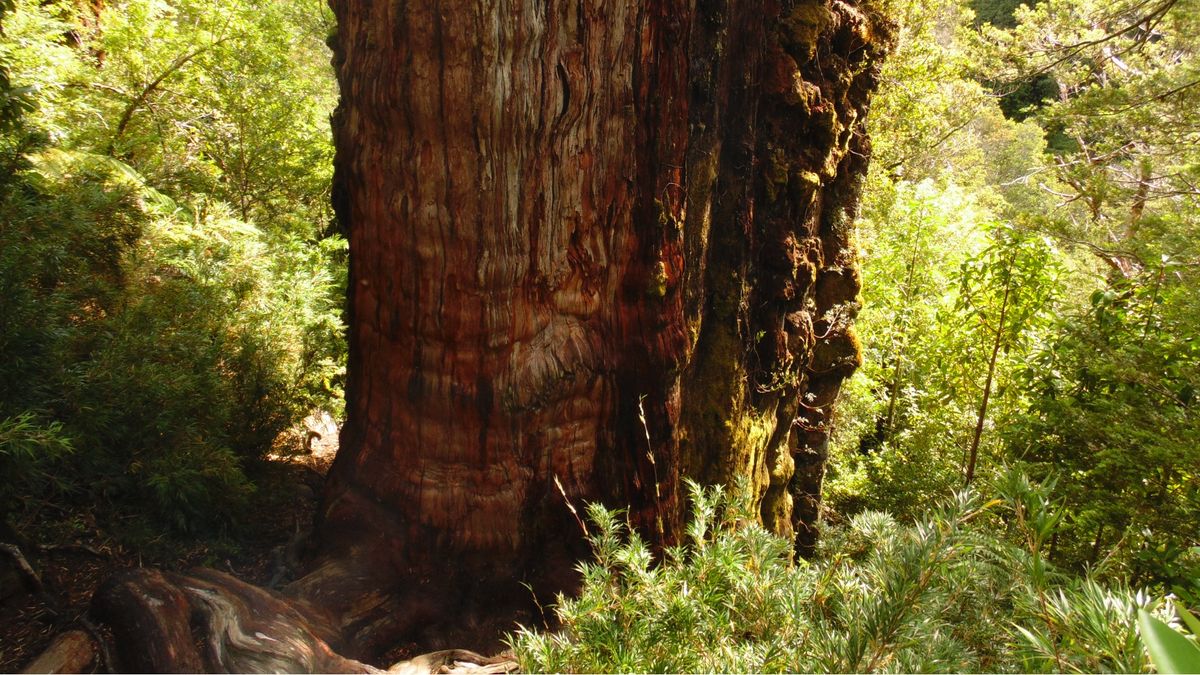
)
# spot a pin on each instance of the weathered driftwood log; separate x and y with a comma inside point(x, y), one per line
point(71, 652)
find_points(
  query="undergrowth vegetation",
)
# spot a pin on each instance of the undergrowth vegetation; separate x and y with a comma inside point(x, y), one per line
point(1031, 292)
point(966, 588)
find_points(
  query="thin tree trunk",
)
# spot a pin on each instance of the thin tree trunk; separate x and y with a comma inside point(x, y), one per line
point(973, 453)
point(1096, 544)
point(898, 352)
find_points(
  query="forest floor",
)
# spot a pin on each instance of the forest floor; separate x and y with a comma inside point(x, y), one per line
point(72, 567)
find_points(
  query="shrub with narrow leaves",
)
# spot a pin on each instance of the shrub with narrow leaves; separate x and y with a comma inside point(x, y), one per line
point(967, 589)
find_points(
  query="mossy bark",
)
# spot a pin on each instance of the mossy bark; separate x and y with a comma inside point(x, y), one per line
point(783, 92)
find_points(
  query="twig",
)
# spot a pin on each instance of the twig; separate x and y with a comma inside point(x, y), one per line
point(561, 491)
point(74, 548)
point(1151, 19)
point(27, 572)
point(654, 466)
point(1137, 104)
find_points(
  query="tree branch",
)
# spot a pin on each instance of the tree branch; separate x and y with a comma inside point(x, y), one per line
point(137, 101)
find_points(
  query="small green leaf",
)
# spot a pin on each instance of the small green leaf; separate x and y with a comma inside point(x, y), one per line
point(1187, 617)
point(1170, 651)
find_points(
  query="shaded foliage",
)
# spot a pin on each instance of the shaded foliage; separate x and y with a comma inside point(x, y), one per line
point(168, 313)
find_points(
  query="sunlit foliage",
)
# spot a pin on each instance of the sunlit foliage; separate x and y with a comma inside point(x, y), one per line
point(1094, 385)
point(967, 588)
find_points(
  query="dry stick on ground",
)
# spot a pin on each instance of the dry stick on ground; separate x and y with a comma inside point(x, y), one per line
point(35, 585)
point(32, 580)
point(72, 548)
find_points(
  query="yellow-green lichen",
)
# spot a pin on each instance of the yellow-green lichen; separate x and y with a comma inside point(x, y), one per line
point(776, 508)
point(658, 281)
point(776, 173)
point(842, 352)
point(802, 27)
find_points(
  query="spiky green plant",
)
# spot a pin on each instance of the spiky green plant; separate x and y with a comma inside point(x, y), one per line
point(965, 590)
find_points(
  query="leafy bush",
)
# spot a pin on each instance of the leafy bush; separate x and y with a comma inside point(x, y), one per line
point(1115, 415)
point(167, 307)
point(29, 447)
point(170, 345)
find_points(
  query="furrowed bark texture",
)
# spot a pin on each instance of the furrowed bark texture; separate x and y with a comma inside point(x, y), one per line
point(596, 247)
point(603, 243)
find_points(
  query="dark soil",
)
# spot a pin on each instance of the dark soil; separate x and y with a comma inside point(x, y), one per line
point(73, 554)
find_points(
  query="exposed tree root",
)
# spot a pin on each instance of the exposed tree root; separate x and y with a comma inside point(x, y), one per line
point(208, 621)
point(453, 661)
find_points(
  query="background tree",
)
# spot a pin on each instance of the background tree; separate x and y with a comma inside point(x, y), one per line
point(1125, 199)
point(949, 168)
point(1101, 168)
point(1004, 290)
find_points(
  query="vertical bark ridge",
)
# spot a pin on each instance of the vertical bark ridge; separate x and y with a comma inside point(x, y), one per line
point(486, 172)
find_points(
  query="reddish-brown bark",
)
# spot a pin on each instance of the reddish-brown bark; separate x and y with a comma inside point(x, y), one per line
point(595, 247)
point(565, 218)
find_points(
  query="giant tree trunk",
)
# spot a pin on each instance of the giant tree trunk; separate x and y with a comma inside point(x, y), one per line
point(601, 245)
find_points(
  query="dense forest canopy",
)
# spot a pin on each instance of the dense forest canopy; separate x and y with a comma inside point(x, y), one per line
point(1013, 472)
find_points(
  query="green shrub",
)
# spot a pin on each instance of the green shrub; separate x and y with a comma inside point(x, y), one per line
point(171, 345)
point(165, 339)
point(965, 590)
point(29, 447)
